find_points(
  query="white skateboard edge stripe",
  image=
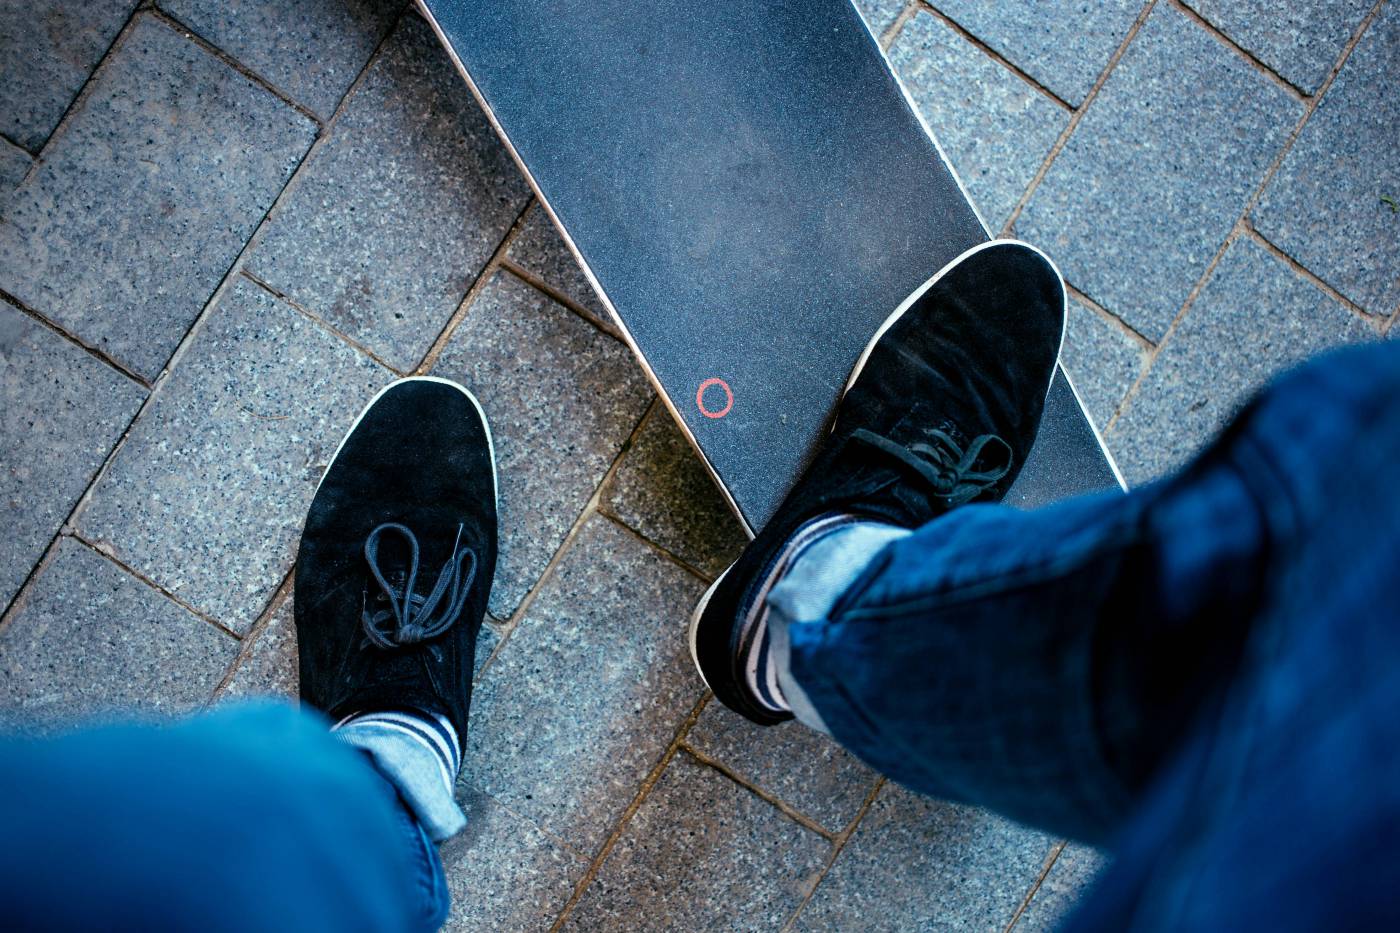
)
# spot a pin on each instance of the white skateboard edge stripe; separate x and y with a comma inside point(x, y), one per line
point(490, 441)
point(1098, 436)
point(627, 337)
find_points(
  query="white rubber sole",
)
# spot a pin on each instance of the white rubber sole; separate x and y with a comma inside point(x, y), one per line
point(694, 627)
point(490, 442)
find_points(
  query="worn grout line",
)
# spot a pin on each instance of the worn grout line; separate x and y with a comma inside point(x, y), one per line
point(589, 509)
point(85, 90)
point(60, 331)
point(255, 634)
point(1077, 117)
point(1008, 64)
point(106, 551)
point(887, 39)
point(644, 791)
point(661, 551)
point(1050, 861)
point(1289, 87)
point(557, 296)
point(479, 283)
point(1112, 319)
point(17, 602)
point(315, 318)
point(787, 809)
point(33, 155)
point(166, 19)
point(1242, 224)
point(1302, 271)
point(837, 847)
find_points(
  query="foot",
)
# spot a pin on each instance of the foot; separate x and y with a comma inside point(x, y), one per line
point(397, 557)
point(941, 410)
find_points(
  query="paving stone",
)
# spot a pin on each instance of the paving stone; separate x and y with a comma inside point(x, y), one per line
point(561, 399)
point(1325, 206)
point(1299, 40)
point(1254, 318)
point(61, 412)
point(702, 853)
point(879, 14)
point(311, 50)
point(504, 874)
point(802, 768)
point(47, 50)
point(663, 491)
point(1068, 881)
point(539, 251)
point(591, 687)
point(14, 162)
point(995, 128)
point(393, 218)
point(921, 864)
point(208, 494)
point(139, 208)
point(1158, 171)
point(89, 638)
point(1103, 361)
point(1063, 44)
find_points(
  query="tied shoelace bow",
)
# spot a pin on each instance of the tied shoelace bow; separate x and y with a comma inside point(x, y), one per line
point(948, 469)
point(412, 616)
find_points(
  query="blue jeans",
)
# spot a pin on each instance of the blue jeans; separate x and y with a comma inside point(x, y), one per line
point(1202, 675)
point(250, 818)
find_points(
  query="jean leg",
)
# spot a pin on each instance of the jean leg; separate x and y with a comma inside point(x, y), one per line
point(1045, 663)
point(248, 818)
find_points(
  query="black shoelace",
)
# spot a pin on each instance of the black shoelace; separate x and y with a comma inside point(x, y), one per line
point(949, 470)
point(413, 618)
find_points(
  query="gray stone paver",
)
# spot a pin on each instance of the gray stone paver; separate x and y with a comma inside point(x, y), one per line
point(141, 205)
point(503, 873)
point(588, 691)
point(48, 48)
point(539, 251)
point(310, 50)
point(14, 162)
point(1254, 318)
point(149, 191)
point(208, 494)
point(1158, 171)
point(1300, 40)
point(702, 853)
point(1068, 880)
point(920, 864)
point(663, 491)
point(879, 14)
point(1324, 207)
point(995, 128)
point(1103, 361)
point(394, 216)
point(61, 412)
point(561, 399)
point(88, 638)
point(1063, 44)
point(790, 762)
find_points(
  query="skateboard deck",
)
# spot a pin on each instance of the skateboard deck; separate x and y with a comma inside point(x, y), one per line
point(751, 193)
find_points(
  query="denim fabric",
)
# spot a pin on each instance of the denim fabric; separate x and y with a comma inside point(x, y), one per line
point(249, 818)
point(1202, 675)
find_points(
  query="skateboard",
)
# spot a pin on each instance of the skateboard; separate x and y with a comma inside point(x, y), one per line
point(751, 192)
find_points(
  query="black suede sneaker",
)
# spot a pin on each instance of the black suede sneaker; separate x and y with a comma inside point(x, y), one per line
point(397, 557)
point(941, 409)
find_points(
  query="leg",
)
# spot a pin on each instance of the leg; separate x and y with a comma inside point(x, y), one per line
point(250, 818)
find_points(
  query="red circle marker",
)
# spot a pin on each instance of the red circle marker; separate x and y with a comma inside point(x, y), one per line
point(700, 398)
